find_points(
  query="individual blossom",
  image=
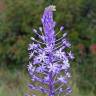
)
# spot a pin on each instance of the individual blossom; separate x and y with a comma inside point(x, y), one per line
point(49, 61)
point(62, 79)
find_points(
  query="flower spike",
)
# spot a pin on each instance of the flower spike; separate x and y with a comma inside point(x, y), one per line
point(48, 58)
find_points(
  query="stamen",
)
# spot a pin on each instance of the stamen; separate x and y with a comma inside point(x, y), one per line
point(40, 36)
point(58, 47)
point(59, 87)
point(37, 41)
point(59, 39)
point(62, 37)
point(40, 29)
point(58, 44)
point(31, 55)
point(57, 33)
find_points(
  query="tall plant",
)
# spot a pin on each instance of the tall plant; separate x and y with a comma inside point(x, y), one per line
point(49, 58)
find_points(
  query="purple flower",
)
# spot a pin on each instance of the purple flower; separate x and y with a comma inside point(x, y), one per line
point(48, 25)
point(68, 90)
point(66, 43)
point(61, 28)
point(62, 79)
point(71, 56)
point(53, 67)
point(32, 46)
point(48, 59)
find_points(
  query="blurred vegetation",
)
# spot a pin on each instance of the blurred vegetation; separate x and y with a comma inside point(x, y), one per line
point(18, 17)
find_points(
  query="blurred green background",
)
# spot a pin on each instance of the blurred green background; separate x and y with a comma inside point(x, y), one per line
point(18, 17)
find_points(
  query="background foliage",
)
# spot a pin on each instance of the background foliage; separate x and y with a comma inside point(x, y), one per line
point(18, 17)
